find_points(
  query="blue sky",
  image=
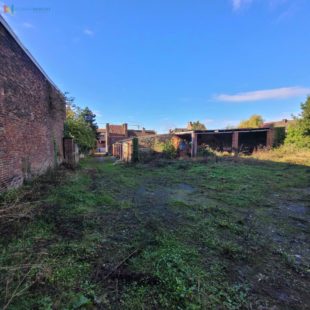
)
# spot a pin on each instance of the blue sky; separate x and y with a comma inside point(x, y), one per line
point(162, 63)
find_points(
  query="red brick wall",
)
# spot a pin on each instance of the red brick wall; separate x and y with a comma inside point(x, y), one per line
point(32, 114)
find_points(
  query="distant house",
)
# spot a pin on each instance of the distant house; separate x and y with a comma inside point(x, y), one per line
point(275, 124)
point(114, 133)
point(32, 114)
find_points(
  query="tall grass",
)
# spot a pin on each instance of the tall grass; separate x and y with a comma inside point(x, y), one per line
point(285, 153)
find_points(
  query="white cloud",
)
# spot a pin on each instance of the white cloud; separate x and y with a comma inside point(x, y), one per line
point(88, 32)
point(27, 25)
point(237, 4)
point(267, 94)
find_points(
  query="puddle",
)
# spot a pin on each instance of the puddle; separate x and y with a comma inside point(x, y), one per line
point(297, 209)
point(185, 187)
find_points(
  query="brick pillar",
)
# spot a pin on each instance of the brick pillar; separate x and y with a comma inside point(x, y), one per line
point(107, 137)
point(235, 142)
point(270, 137)
point(120, 151)
point(194, 145)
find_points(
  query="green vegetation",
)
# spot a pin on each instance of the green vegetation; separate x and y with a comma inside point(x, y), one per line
point(81, 125)
point(279, 136)
point(166, 148)
point(169, 151)
point(298, 134)
point(296, 148)
point(222, 234)
point(254, 121)
point(197, 126)
point(286, 153)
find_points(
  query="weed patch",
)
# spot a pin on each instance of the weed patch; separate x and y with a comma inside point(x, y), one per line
point(218, 234)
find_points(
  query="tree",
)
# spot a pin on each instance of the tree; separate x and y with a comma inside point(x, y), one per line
point(90, 118)
point(298, 133)
point(77, 127)
point(196, 126)
point(255, 121)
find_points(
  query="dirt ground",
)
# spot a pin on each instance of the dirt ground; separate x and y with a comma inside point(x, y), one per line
point(224, 234)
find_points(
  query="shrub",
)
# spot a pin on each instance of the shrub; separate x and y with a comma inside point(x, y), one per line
point(169, 151)
point(205, 150)
point(298, 134)
point(80, 125)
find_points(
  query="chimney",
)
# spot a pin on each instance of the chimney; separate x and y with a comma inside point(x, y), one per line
point(143, 131)
point(125, 129)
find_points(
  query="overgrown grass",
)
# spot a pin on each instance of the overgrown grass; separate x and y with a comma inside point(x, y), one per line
point(167, 235)
point(286, 154)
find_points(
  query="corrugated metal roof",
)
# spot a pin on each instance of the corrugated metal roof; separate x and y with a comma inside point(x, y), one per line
point(221, 131)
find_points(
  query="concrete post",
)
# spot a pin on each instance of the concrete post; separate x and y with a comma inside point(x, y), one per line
point(194, 145)
point(235, 142)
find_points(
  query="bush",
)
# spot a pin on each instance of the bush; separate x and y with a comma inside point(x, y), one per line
point(205, 150)
point(298, 134)
point(82, 133)
point(169, 151)
point(80, 125)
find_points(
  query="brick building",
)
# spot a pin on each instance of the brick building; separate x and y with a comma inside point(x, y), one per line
point(32, 114)
point(283, 123)
point(114, 133)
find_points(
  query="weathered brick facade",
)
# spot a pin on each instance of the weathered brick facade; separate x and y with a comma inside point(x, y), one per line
point(114, 133)
point(32, 114)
